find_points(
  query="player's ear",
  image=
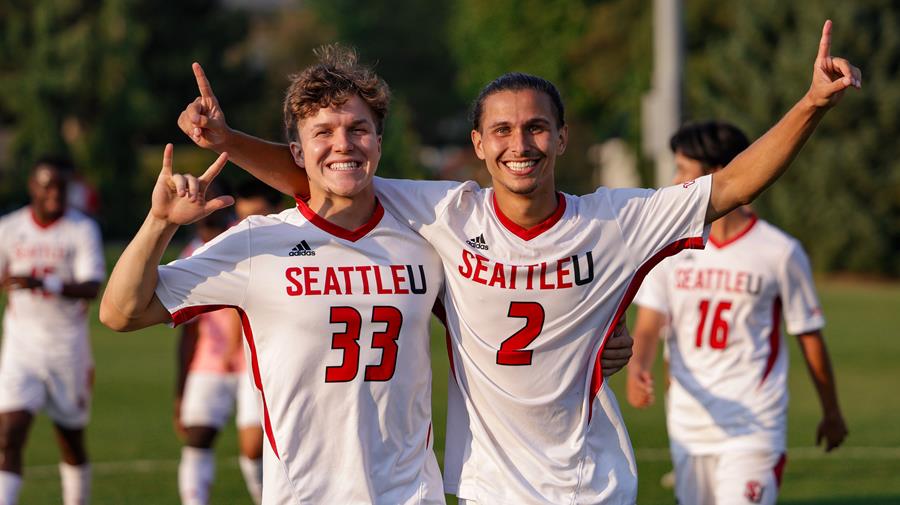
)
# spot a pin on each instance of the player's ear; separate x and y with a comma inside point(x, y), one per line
point(477, 144)
point(297, 153)
point(563, 139)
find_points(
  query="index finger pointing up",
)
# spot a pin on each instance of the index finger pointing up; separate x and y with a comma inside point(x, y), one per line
point(202, 82)
point(824, 43)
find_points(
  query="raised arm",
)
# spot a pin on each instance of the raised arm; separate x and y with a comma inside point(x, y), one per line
point(765, 160)
point(204, 122)
point(647, 327)
point(129, 302)
point(832, 429)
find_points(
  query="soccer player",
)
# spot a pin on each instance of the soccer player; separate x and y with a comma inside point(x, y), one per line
point(537, 279)
point(726, 406)
point(212, 374)
point(51, 265)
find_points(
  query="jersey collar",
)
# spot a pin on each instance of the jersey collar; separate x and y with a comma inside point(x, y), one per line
point(534, 231)
point(746, 230)
point(329, 227)
point(40, 224)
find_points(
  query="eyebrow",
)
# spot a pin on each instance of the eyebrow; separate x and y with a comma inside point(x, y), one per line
point(540, 120)
point(331, 125)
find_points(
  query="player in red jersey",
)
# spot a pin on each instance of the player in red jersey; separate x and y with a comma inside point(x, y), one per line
point(727, 402)
point(51, 265)
point(533, 274)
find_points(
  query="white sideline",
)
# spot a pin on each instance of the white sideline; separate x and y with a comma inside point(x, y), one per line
point(653, 455)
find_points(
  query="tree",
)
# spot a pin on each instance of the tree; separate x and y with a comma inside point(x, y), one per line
point(841, 197)
point(71, 83)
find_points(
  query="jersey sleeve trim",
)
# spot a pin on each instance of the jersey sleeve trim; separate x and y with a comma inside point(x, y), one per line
point(188, 313)
point(338, 231)
point(536, 230)
point(630, 291)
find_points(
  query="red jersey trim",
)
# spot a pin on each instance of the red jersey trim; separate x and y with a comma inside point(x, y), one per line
point(441, 313)
point(774, 340)
point(534, 231)
point(630, 291)
point(188, 313)
point(42, 225)
point(746, 230)
point(329, 227)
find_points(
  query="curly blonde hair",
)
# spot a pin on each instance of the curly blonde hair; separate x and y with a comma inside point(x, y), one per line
point(331, 82)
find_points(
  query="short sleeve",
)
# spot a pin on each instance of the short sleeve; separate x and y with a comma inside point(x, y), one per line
point(802, 312)
point(215, 276)
point(89, 262)
point(417, 203)
point(653, 293)
point(659, 223)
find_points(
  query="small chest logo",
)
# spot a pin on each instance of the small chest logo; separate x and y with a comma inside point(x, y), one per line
point(754, 491)
point(478, 242)
point(302, 249)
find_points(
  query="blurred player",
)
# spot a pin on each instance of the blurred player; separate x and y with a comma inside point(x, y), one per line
point(727, 403)
point(536, 279)
point(51, 263)
point(213, 377)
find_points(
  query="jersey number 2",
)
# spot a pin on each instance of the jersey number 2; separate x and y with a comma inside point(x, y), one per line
point(347, 341)
point(718, 333)
point(512, 351)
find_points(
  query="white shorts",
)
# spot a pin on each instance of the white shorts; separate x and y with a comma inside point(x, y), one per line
point(63, 391)
point(209, 399)
point(744, 478)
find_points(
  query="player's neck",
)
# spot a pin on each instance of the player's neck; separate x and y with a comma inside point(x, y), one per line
point(730, 225)
point(528, 210)
point(43, 218)
point(348, 213)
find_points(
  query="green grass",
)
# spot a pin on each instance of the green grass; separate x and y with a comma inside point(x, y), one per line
point(135, 450)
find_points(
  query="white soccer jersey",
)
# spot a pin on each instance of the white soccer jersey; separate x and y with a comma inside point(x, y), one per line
point(727, 359)
point(337, 324)
point(528, 314)
point(39, 327)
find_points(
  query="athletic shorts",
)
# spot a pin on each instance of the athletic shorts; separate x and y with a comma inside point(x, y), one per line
point(209, 400)
point(743, 478)
point(63, 391)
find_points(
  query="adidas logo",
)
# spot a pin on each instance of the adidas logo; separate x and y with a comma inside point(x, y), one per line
point(302, 249)
point(478, 242)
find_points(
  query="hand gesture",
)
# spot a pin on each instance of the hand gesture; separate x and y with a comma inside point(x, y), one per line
point(832, 431)
point(203, 120)
point(181, 198)
point(617, 350)
point(831, 75)
point(639, 389)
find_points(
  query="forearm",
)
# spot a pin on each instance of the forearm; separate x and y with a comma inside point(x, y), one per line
point(186, 347)
point(132, 284)
point(645, 345)
point(819, 365)
point(269, 162)
point(751, 172)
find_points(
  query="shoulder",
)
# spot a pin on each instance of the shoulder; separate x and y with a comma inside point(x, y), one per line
point(81, 220)
point(770, 236)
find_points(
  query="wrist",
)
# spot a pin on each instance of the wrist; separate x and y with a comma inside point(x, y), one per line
point(52, 284)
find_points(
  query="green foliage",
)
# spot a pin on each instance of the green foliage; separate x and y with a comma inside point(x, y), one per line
point(842, 195)
point(72, 84)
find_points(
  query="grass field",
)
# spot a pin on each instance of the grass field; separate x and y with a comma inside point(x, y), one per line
point(135, 451)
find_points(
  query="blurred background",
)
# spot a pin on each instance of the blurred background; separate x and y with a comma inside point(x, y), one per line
point(104, 81)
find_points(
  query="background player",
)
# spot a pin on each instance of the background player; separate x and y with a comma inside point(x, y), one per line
point(213, 376)
point(51, 263)
point(539, 366)
point(726, 407)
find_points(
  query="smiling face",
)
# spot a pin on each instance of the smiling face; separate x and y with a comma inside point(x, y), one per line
point(339, 149)
point(519, 142)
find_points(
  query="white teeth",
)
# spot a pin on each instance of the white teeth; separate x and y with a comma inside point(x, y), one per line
point(347, 165)
point(521, 165)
